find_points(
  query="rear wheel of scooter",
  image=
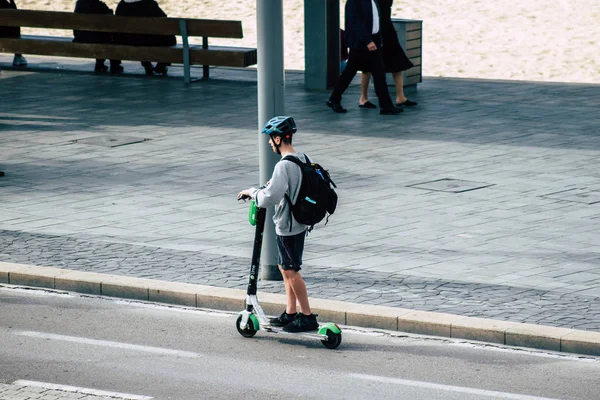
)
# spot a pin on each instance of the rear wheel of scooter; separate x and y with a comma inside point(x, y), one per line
point(248, 331)
point(333, 340)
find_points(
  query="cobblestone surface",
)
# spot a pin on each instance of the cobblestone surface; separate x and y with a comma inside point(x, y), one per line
point(524, 248)
point(367, 287)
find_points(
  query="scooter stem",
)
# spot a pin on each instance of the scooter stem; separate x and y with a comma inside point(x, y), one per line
point(258, 238)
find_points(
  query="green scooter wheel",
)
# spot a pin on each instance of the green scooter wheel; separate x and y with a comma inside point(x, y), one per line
point(250, 330)
point(333, 340)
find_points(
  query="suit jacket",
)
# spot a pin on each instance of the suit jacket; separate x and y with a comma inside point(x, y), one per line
point(143, 8)
point(359, 23)
point(9, 31)
point(92, 7)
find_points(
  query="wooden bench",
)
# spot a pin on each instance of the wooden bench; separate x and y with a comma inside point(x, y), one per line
point(184, 53)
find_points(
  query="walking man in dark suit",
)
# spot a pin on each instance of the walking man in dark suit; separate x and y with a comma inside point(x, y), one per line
point(363, 37)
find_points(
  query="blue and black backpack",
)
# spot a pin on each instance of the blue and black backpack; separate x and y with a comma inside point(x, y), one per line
point(316, 198)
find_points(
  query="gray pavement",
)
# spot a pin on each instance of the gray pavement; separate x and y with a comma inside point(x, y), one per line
point(513, 237)
point(150, 351)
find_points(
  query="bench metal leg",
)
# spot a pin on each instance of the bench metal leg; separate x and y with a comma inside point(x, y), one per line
point(186, 53)
point(205, 68)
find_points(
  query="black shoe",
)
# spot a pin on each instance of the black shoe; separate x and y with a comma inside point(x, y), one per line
point(391, 111)
point(368, 104)
point(283, 319)
point(407, 103)
point(100, 68)
point(116, 69)
point(336, 107)
point(149, 70)
point(161, 69)
point(302, 323)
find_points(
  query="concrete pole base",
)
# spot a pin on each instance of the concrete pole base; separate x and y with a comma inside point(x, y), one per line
point(270, 273)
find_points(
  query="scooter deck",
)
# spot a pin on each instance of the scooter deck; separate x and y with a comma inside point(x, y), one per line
point(308, 334)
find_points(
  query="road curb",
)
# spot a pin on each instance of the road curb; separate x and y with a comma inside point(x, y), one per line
point(362, 315)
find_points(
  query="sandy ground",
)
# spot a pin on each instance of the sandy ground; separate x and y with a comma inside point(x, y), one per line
point(542, 40)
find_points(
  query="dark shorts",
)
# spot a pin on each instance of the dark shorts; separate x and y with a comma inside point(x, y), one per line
point(290, 249)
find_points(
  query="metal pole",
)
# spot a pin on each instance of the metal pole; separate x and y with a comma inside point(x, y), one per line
point(186, 52)
point(271, 86)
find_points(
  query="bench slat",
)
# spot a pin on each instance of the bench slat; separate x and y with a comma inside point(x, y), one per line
point(115, 23)
point(63, 47)
point(223, 56)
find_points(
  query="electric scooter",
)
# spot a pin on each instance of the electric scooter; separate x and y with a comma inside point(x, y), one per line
point(253, 318)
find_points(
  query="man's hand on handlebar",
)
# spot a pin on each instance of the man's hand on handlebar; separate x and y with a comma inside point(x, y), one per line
point(244, 195)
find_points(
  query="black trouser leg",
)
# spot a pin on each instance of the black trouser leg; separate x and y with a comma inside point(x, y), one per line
point(148, 67)
point(346, 76)
point(381, 89)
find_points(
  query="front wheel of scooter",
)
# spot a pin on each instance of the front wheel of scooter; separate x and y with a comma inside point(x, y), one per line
point(333, 340)
point(250, 329)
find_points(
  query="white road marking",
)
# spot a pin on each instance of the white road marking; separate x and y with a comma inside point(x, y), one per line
point(106, 343)
point(448, 388)
point(74, 389)
point(36, 291)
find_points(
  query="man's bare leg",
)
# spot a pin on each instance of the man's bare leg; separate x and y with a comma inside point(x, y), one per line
point(289, 293)
point(297, 291)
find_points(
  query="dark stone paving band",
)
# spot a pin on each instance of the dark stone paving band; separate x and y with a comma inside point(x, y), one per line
point(498, 302)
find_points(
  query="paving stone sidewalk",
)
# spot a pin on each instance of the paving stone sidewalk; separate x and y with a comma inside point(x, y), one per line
point(500, 302)
point(482, 201)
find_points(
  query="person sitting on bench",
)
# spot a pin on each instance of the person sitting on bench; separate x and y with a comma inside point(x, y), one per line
point(96, 7)
point(12, 32)
point(145, 8)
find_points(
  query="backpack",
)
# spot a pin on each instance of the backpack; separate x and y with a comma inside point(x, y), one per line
point(316, 197)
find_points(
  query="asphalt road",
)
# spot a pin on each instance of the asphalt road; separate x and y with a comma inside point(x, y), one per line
point(177, 353)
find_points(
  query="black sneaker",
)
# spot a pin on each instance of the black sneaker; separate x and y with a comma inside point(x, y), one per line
point(302, 323)
point(283, 319)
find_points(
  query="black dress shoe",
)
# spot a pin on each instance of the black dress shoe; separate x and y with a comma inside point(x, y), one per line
point(368, 104)
point(336, 107)
point(116, 69)
point(391, 111)
point(407, 103)
point(161, 69)
point(100, 68)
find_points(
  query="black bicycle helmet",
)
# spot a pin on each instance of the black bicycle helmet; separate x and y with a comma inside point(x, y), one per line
point(281, 126)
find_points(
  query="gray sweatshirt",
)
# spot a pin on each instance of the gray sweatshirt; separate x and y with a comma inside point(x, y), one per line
point(287, 178)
